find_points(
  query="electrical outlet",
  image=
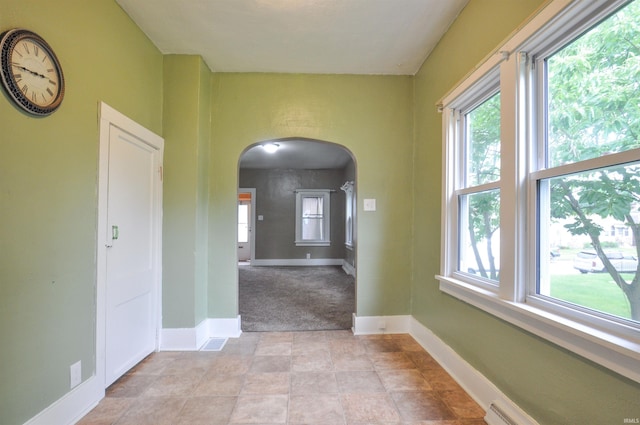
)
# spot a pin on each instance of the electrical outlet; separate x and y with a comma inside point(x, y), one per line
point(75, 374)
point(308, 255)
point(382, 325)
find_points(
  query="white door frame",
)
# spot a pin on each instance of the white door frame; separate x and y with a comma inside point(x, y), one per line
point(252, 233)
point(110, 117)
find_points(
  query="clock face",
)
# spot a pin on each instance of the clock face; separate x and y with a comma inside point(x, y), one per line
point(34, 72)
point(31, 73)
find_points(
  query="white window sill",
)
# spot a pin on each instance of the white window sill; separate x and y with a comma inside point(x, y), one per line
point(312, 243)
point(605, 349)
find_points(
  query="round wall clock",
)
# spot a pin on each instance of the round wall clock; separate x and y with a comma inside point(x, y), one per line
point(31, 73)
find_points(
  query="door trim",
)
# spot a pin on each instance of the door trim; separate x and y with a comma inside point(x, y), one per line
point(252, 234)
point(107, 117)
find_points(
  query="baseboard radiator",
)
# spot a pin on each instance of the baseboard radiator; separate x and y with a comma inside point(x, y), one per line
point(500, 413)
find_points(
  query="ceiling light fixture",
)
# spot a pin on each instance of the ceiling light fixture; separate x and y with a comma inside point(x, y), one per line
point(270, 147)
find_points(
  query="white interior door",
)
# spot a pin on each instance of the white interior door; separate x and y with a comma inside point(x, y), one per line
point(246, 224)
point(244, 230)
point(132, 250)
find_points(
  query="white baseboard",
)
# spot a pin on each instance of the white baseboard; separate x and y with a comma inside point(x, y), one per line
point(191, 339)
point(184, 339)
point(348, 268)
point(474, 383)
point(370, 325)
point(224, 328)
point(71, 407)
point(299, 262)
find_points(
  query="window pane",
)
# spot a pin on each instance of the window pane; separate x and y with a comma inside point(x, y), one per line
point(479, 249)
point(312, 229)
point(590, 232)
point(312, 218)
point(594, 91)
point(483, 143)
point(312, 207)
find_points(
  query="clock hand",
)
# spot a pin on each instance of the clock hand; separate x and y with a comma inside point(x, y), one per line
point(28, 70)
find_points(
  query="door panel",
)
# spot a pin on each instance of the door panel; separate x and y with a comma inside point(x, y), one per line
point(130, 261)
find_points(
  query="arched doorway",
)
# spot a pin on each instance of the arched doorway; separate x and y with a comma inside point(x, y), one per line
point(302, 267)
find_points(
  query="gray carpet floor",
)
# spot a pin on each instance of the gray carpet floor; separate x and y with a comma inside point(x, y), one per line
point(295, 298)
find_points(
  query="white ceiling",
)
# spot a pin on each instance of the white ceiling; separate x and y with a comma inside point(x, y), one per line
point(390, 37)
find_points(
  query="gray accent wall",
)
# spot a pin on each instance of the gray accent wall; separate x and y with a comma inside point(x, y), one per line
point(276, 203)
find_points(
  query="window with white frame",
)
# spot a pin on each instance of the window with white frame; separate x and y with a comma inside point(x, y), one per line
point(313, 218)
point(552, 179)
point(478, 188)
point(350, 208)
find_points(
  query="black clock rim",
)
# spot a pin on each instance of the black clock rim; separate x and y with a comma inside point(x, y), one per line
point(8, 41)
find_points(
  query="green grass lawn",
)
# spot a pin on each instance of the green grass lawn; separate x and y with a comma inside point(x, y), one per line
point(593, 290)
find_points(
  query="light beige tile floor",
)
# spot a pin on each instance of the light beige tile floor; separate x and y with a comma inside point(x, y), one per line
point(317, 378)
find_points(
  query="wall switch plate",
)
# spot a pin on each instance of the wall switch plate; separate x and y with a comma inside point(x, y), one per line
point(260, 217)
point(75, 374)
point(369, 204)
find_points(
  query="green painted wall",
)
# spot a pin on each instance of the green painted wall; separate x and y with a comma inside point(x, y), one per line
point(48, 173)
point(552, 385)
point(202, 194)
point(48, 194)
point(186, 131)
point(369, 115)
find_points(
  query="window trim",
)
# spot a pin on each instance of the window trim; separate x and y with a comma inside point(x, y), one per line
point(326, 216)
point(611, 351)
point(350, 213)
point(615, 347)
point(480, 93)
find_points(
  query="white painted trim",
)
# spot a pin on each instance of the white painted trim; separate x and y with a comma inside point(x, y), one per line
point(299, 262)
point(191, 339)
point(608, 342)
point(107, 116)
point(252, 233)
point(348, 268)
point(507, 47)
point(106, 112)
point(71, 407)
point(611, 351)
point(483, 391)
point(184, 339)
point(224, 328)
point(373, 325)
point(326, 216)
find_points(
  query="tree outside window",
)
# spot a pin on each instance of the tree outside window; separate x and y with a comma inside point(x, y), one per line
point(594, 115)
point(479, 250)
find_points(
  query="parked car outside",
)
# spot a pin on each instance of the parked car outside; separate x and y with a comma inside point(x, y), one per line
point(588, 261)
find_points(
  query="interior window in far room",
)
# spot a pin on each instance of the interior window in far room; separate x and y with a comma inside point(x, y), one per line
point(350, 208)
point(313, 219)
